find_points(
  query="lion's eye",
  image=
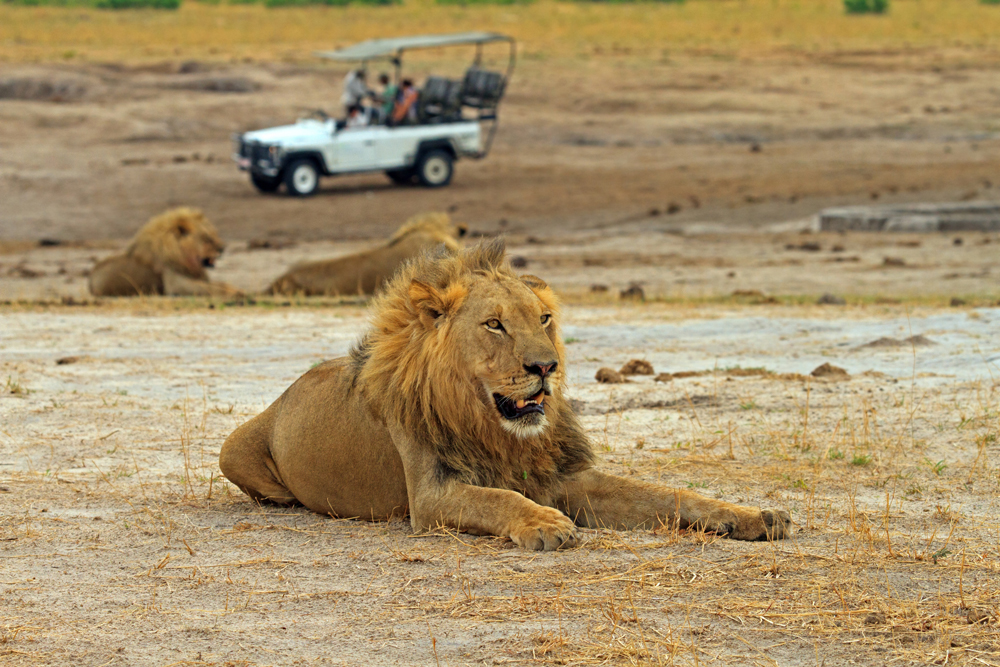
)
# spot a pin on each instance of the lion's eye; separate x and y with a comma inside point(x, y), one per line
point(494, 325)
point(546, 319)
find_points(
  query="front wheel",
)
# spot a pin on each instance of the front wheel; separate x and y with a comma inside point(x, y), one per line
point(302, 178)
point(434, 169)
point(265, 183)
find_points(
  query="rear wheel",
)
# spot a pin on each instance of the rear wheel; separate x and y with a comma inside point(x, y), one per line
point(434, 168)
point(265, 183)
point(302, 178)
point(401, 176)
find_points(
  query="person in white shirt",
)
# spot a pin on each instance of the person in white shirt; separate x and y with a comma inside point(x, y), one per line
point(355, 89)
point(358, 116)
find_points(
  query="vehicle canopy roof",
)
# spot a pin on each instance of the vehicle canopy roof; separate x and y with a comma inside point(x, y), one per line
point(393, 47)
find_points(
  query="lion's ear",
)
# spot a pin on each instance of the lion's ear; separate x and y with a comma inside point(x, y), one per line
point(432, 303)
point(534, 282)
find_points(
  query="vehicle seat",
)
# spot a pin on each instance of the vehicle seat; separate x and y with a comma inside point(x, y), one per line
point(482, 89)
point(440, 100)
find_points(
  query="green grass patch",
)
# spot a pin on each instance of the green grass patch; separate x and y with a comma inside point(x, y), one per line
point(866, 6)
point(463, 3)
point(329, 3)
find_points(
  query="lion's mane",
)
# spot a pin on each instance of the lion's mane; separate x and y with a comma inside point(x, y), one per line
point(413, 375)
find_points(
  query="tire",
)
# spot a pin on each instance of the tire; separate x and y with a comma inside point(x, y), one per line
point(435, 168)
point(301, 178)
point(401, 176)
point(265, 183)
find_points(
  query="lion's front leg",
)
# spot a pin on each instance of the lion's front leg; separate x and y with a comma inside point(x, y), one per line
point(176, 284)
point(436, 501)
point(595, 499)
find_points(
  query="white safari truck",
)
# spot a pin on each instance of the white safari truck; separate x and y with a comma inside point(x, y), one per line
point(455, 119)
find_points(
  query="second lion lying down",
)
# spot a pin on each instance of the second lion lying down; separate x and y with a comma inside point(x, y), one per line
point(451, 409)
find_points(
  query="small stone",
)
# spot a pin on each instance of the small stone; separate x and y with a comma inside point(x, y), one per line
point(634, 292)
point(673, 207)
point(637, 367)
point(62, 361)
point(830, 371)
point(609, 376)
point(831, 300)
point(893, 261)
point(957, 241)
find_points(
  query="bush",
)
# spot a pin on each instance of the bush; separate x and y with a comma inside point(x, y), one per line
point(488, 2)
point(329, 3)
point(137, 4)
point(866, 6)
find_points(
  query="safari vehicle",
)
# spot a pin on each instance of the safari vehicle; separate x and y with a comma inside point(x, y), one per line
point(455, 119)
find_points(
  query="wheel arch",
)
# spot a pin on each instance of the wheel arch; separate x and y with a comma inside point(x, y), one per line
point(315, 156)
point(436, 144)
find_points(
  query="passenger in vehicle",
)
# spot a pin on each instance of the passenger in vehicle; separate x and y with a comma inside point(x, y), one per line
point(358, 116)
point(390, 92)
point(405, 110)
point(355, 90)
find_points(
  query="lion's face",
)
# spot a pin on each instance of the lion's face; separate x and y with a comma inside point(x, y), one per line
point(198, 243)
point(181, 239)
point(508, 334)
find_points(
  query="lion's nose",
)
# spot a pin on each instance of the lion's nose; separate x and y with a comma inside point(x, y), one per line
point(541, 369)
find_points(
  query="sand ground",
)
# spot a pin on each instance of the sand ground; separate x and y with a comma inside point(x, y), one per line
point(693, 170)
point(122, 544)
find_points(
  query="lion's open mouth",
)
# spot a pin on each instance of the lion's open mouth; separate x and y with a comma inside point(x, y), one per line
point(515, 409)
point(208, 263)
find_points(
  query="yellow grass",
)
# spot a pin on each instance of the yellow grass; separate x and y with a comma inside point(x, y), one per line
point(546, 29)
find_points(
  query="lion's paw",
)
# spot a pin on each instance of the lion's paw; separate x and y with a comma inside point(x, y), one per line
point(545, 529)
point(763, 525)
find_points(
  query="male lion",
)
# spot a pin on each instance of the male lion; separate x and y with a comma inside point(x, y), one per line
point(168, 255)
point(450, 408)
point(364, 272)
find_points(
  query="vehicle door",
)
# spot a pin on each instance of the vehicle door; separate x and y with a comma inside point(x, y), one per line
point(396, 146)
point(355, 149)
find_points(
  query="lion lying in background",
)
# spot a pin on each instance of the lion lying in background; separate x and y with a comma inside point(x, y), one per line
point(451, 409)
point(364, 272)
point(168, 255)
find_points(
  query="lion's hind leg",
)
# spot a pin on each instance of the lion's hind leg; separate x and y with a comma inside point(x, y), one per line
point(246, 461)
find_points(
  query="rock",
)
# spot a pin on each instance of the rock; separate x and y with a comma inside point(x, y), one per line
point(518, 262)
point(609, 376)
point(637, 367)
point(830, 371)
point(831, 300)
point(634, 292)
point(66, 360)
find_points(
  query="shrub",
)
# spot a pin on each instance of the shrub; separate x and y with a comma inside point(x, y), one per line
point(866, 6)
point(137, 4)
point(488, 2)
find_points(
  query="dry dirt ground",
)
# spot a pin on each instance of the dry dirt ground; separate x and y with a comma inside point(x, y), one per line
point(586, 144)
point(693, 172)
point(121, 544)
